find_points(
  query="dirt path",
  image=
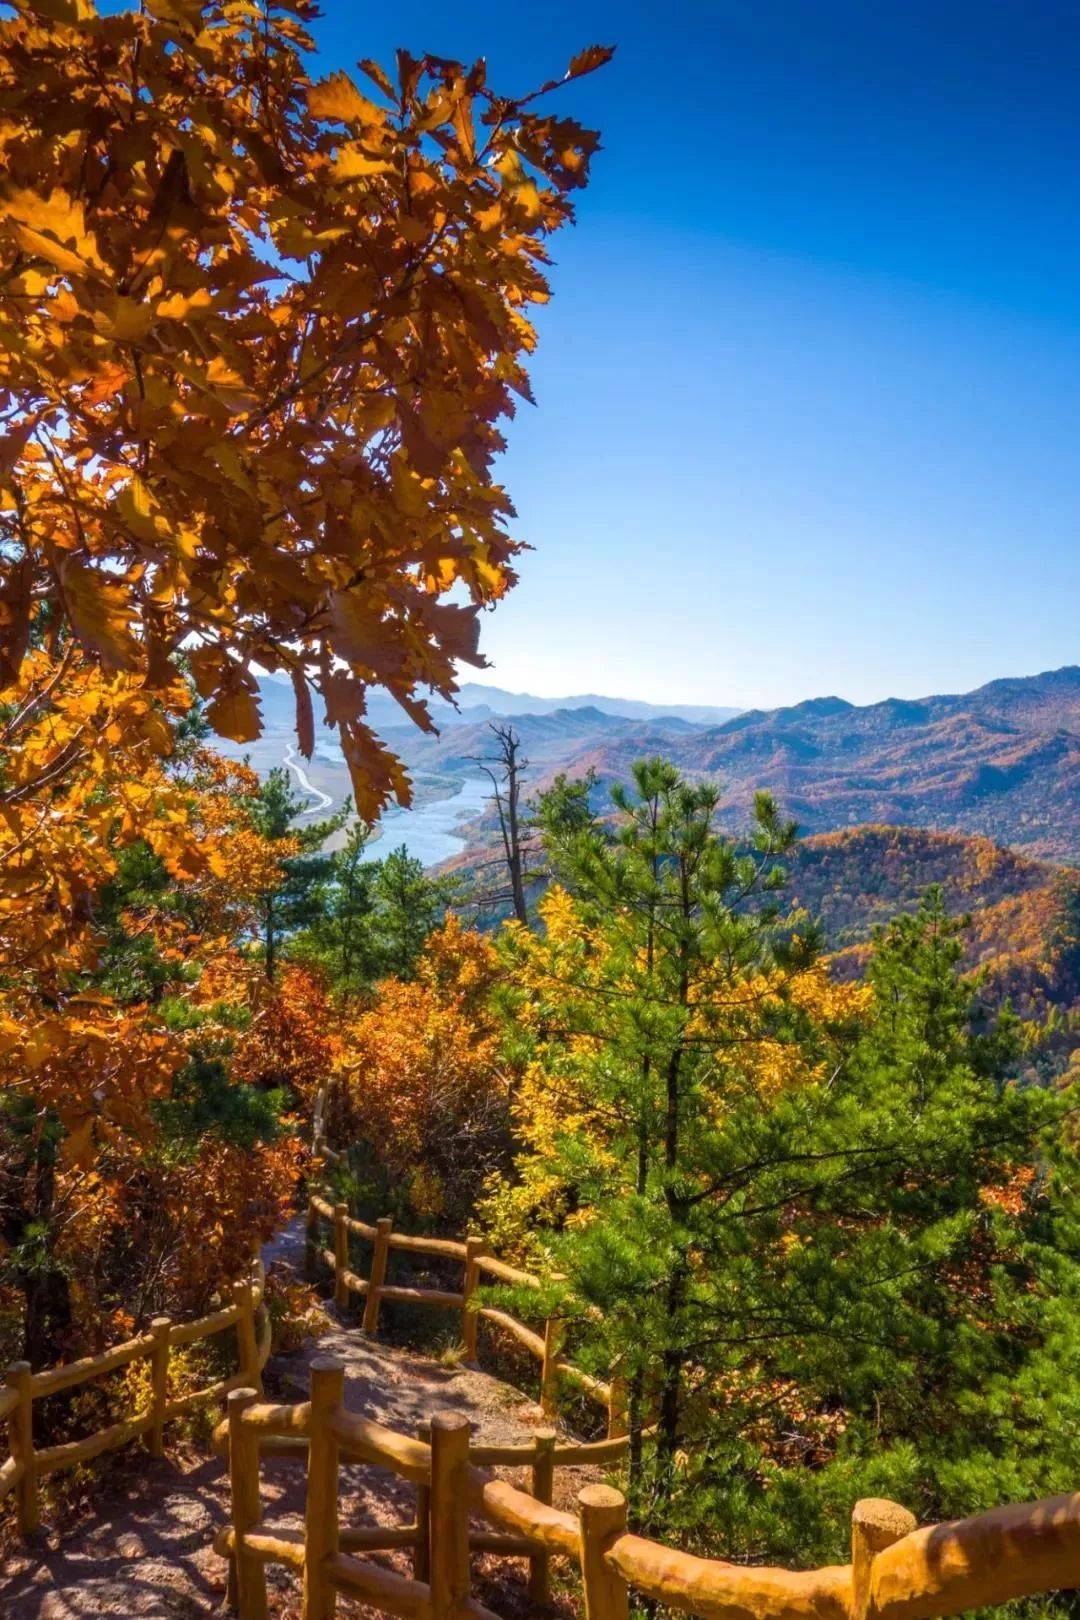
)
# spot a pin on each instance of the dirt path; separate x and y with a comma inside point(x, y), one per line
point(146, 1550)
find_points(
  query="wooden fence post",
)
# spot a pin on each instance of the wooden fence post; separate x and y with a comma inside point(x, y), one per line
point(247, 1342)
point(383, 1227)
point(875, 1524)
point(341, 1256)
point(21, 1441)
point(543, 1481)
point(618, 1405)
point(321, 1508)
point(311, 1240)
point(250, 1576)
point(422, 1550)
point(602, 1512)
point(159, 1376)
point(549, 1375)
point(449, 1575)
point(474, 1248)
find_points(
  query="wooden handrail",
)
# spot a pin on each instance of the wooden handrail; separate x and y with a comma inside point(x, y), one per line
point(937, 1571)
point(448, 1248)
point(1009, 1552)
point(54, 1379)
point(515, 1510)
point(375, 1290)
point(372, 1442)
point(722, 1591)
point(507, 1273)
point(26, 1465)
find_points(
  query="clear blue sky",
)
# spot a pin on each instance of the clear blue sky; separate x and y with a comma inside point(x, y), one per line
point(809, 390)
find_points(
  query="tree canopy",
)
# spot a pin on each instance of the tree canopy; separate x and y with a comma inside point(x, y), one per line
point(257, 336)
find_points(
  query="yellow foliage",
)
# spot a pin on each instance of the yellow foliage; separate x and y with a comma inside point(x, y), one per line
point(210, 451)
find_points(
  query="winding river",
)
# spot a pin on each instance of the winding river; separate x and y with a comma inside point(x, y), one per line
point(429, 832)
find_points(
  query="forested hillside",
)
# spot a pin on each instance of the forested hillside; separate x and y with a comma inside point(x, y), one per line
point(1022, 917)
point(854, 880)
point(1002, 762)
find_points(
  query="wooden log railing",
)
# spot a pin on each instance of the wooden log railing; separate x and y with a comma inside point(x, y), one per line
point(477, 1264)
point(897, 1571)
point(546, 1347)
point(286, 1431)
point(26, 1465)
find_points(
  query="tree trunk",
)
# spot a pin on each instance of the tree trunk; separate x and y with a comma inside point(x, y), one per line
point(270, 937)
point(673, 1361)
point(45, 1291)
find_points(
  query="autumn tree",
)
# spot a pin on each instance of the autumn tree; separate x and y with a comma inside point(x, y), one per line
point(420, 1093)
point(130, 871)
point(259, 336)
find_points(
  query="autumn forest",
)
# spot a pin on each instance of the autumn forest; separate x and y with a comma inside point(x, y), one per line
point(785, 1126)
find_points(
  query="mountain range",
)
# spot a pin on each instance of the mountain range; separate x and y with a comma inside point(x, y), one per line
point(1002, 762)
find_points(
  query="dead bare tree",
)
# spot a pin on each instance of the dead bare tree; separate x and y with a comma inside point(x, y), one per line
point(506, 769)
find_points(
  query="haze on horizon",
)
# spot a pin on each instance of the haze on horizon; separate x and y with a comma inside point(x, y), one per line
point(809, 386)
point(477, 680)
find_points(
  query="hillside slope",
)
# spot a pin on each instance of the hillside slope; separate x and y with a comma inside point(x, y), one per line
point(1002, 762)
point(1024, 913)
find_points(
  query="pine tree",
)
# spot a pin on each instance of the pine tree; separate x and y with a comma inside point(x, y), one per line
point(816, 1224)
point(276, 811)
point(409, 905)
point(369, 919)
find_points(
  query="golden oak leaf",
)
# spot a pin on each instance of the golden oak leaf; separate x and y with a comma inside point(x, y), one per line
point(185, 306)
point(378, 76)
point(588, 60)
point(59, 222)
point(305, 720)
point(101, 613)
point(353, 163)
point(235, 714)
point(463, 127)
point(363, 636)
point(78, 1146)
point(12, 443)
point(337, 97)
point(126, 322)
point(44, 247)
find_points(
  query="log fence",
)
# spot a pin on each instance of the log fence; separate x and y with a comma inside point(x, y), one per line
point(26, 1465)
point(478, 1266)
point(897, 1570)
point(546, 1347)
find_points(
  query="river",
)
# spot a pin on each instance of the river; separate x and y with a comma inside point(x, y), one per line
point(430, 831)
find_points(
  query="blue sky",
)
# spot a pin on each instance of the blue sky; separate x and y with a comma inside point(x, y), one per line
point(809, 389)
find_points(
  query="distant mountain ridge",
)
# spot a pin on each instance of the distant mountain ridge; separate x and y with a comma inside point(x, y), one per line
point(477, 702)
point(1002, 762)
point(474, 694)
